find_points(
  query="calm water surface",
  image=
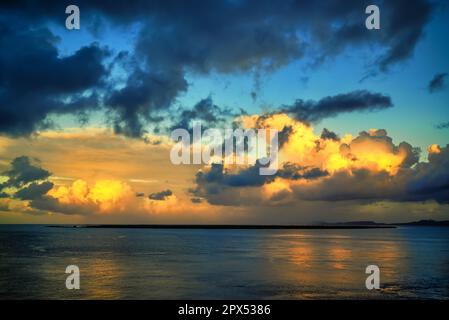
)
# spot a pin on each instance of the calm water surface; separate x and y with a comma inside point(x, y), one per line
point(228, 264)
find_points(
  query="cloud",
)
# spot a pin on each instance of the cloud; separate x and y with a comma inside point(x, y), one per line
point(404, 22)
point(231, 36)
point(217, 180)
point(327, 134)
point(293, 171)
point(240, 37)
point(437, 83)
point(245, 177)
point(196, 200)
point(112, 198)
point(30, 183)
point(359, 184)
point(176, 40)
point(220, 186)
point(205, 111)
point(430, 180)
point(144, 94)
point(424, 182)
point(442, 125)
point(25, 181)
point(50, 84)
point(284, 135)
point(374, 149)
point(361, 100)
point(53, 205)
point(160, 195)
point(369, 167)
point(81, 198)
point(22, 172)
point(34, 191)
point(349, 172)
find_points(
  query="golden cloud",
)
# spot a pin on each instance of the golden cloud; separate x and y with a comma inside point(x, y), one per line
point(372, 150)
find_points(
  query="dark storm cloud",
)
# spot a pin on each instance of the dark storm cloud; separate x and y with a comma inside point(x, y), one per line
point(34, 191)
point(178, 37)
point(431, 179)
point(144, 95)
point(402, 24)
point(412, 154)
point(240, 34)
point(293, 171)
point(50, 204)
point(284, 135)
point(205, 111)
point(330, 135)
point(216, 180)
point(360, 100)
point(22, 172)
point(29, 180)
point(160, 195)
point(36, 82)
point(359, 184)
point(218, 176)
point(404, 21)
point(437, 83)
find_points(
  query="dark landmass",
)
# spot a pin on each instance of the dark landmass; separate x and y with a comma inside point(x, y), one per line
point(356, 223)
point(222, 226)
point(426, 223)
point(324, 225)
point(423, 223)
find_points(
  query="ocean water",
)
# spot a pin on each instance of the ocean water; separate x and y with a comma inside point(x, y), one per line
point(223, 264)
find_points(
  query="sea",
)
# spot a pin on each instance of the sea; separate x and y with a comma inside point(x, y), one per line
point(126, 263)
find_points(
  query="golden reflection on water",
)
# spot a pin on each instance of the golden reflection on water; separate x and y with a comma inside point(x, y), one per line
point(101, 279)
point(335, 261)
point(391, 258)
point(340, 257)
point(301, 256)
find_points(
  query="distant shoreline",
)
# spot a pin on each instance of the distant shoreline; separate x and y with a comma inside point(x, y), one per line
point(322, 226)
point(214, 226)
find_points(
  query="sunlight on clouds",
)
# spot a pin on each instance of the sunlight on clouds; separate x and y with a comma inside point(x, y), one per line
point(117, 197)
point(275, 188)
point(434, 148)
point(371, 150)
point(106, 194)
point(98, 174)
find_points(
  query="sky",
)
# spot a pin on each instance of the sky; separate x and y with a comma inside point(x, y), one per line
point(86, 115)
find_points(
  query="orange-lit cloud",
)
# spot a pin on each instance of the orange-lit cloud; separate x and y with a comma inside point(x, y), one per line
point(107, 195)
point(113, 197)
point(369, 166)
point(97, 175)
point(371, 150)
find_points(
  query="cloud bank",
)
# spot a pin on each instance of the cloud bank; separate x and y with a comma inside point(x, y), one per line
point(177, 39)
point(369, 167)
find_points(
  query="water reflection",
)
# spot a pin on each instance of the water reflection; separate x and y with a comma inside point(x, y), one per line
point(223, 264)
point(101, 278)
point(335, 262)
point(301, 256)
point(340, 257)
